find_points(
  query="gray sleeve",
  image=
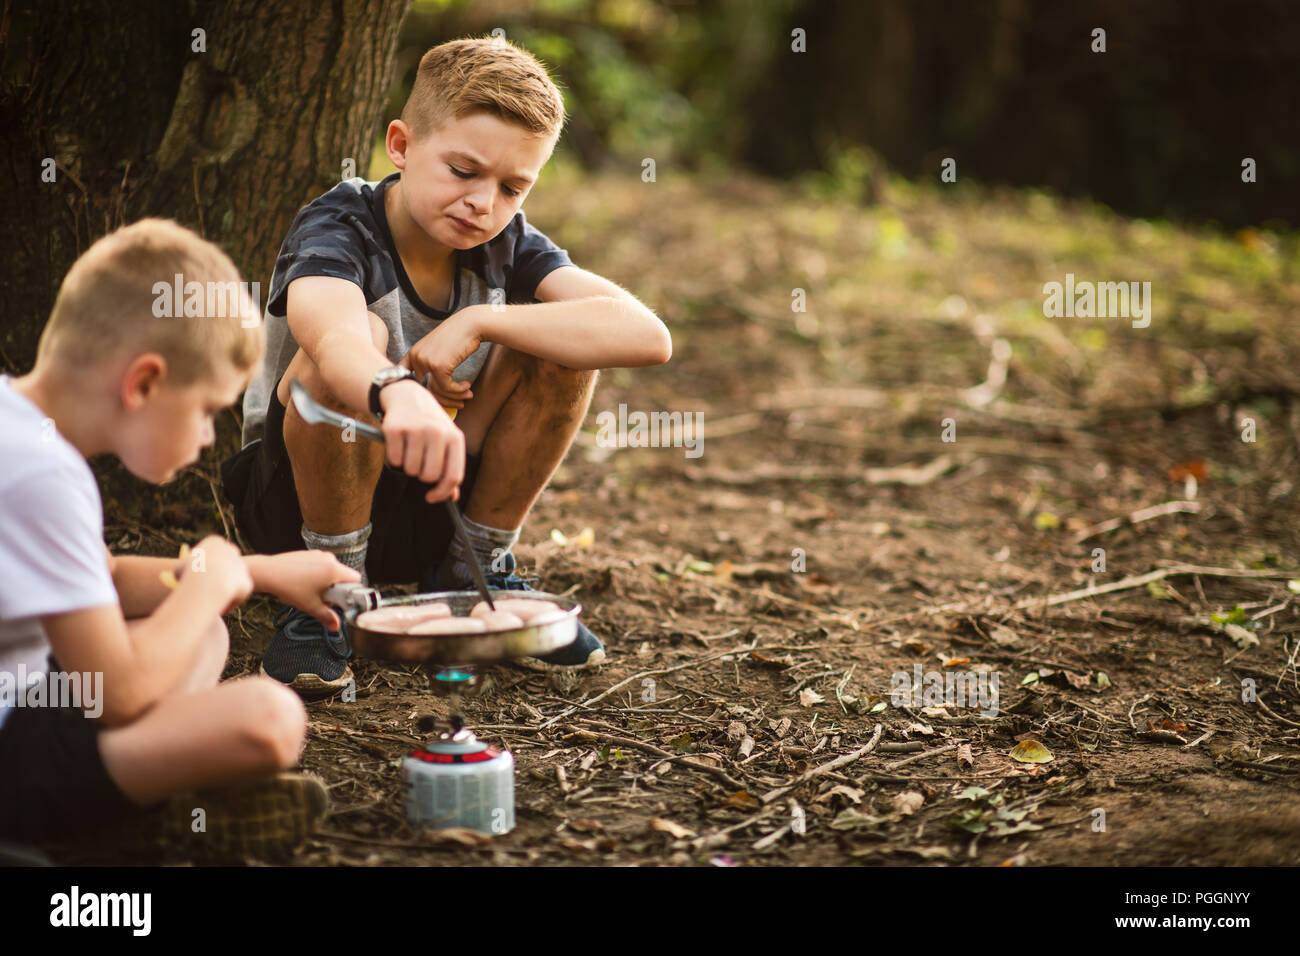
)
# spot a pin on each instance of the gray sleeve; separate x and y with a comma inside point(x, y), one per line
point(534, 258)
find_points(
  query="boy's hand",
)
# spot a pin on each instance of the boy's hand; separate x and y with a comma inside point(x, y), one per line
point(439, 354)
point(299, 578)
point(220, 567)
point(421, 440)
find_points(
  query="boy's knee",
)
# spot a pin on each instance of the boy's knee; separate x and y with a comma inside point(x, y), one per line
point(552, 375)
point(277, 721)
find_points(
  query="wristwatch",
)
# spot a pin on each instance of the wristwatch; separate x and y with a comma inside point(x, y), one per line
point(386, 376)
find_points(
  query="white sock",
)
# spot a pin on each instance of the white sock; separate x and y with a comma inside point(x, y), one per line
point(349, 548)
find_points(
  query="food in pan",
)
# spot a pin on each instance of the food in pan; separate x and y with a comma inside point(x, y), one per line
point(530, 612)
point(401, 619)
point(449, 625)
point(498, 620)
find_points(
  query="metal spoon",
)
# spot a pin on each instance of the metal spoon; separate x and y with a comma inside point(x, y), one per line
point(314, 413)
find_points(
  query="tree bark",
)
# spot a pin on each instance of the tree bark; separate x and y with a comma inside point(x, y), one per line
point(230, 140)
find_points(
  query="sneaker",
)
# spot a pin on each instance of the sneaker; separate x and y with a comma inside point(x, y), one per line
point(263, 819)
point(307, 657)
point(586, 647)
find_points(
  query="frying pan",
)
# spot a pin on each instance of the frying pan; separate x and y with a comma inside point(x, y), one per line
point(531, 640)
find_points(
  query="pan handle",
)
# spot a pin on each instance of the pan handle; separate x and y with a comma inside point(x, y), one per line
point(350, 600)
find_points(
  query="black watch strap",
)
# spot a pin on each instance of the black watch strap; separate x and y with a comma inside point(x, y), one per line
point(385, 377)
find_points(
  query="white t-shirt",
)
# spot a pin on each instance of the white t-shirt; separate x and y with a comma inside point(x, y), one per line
point(51, 534)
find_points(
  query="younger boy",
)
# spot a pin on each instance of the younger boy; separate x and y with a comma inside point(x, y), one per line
point(113, 376)
point(414, 300)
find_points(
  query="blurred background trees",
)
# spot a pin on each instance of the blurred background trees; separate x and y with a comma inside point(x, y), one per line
point(1156, 126)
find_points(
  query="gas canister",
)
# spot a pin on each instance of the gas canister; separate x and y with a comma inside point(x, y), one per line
point(459, 781)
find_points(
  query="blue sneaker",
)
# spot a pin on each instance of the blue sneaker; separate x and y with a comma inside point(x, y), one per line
point(586, 647)
point(310, 659)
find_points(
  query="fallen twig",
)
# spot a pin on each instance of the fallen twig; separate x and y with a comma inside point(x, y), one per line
point(829, 766)
point(1137, 517)
point(643, 674)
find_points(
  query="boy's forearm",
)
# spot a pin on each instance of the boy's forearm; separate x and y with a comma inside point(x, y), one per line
point(139, 586)
point(594, 333)
point(348, 364)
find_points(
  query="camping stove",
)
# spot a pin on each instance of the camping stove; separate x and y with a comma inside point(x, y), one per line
point(455, 779)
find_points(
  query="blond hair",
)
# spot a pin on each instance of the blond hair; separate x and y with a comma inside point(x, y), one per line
point(122, 295)
point(489, 75)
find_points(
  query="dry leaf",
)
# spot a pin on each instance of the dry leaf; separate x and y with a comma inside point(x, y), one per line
point(1003, 636)
point(964, 755)
point(1077, 681)
point(675, 830)
point(808, 697)
point(1031, 751)
point(785, 660)
point(460, 835)
point(905, 804)
point(814, 583)
point(1242, 637)
point(1195, 469)
point(852, 794)
point(746, 746)
point(742, 800)
point(851, 819)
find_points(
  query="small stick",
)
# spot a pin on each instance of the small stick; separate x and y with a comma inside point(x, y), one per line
point(684, 760)
point(1137, 517)
point(772, 837)
point(1277, 717)
point(650, 673)
point(921, 756)
point(1144, 697)
point(720, 837)
point(827, 767)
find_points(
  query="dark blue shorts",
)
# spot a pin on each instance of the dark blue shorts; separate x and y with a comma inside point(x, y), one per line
point(53, 783)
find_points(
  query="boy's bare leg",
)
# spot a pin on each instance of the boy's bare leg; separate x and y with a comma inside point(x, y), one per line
point(335, 479)
point(209, 660)
point(239, 730)
point(522, 420)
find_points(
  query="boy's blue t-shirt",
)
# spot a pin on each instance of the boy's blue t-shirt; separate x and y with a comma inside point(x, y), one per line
point(345, 234)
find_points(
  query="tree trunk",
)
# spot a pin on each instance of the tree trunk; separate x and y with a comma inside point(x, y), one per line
point(228, 132)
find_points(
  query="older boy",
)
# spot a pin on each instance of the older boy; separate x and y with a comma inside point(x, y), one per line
point(113, 376)
point(414, 300)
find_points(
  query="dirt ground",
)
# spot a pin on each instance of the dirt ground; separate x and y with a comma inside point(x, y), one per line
point(744, 715)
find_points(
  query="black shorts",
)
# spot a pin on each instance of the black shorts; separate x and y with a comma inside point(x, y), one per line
point(53, 783)
point(407, 537)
